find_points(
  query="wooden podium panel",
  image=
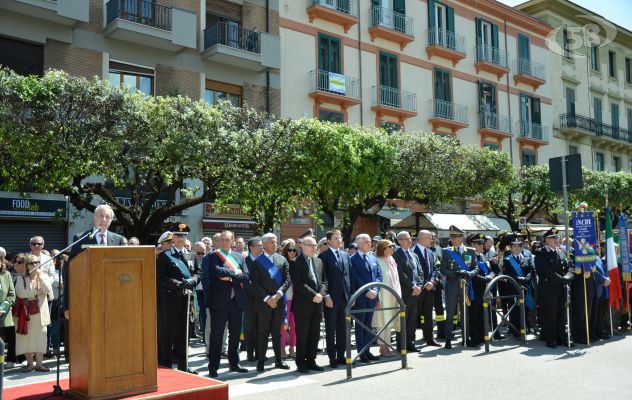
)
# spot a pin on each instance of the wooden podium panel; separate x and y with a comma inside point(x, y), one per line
point(112, 326)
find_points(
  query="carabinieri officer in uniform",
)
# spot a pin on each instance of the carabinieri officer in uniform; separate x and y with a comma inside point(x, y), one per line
point(174, 289)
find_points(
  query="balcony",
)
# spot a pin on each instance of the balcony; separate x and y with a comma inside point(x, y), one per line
point(533, 134)
point(64, 12)
point(228, 43)
point(494, 125)
point(340, 12)
point(492, 60)
point(529, 73)
point(393, 102)
point(328, 87)
point(150, 24)
point(573, 125)
point(390, 25)
point(445, 44)
point(446, 114)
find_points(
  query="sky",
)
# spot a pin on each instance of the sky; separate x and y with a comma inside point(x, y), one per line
point(617, 11)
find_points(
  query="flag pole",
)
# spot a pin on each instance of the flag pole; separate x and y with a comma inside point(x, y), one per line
point(599, 255)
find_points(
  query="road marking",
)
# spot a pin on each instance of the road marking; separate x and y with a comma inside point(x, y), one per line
point(268, 385)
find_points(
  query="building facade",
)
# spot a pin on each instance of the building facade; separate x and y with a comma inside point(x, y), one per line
point(591, 86)
point(205, 49)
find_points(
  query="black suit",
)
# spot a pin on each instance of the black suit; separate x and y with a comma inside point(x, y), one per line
point(250, 314)
point(270, 319)
point(427, 299)
point(225, 300)
point(408, 269)
point(550, 270)
point(173, 287)
point(307, 313)
point(337, 274)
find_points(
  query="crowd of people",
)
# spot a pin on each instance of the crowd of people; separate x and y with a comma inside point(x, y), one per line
point(239, 295)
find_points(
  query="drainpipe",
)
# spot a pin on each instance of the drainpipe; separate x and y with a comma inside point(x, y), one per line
point(509, 96)
point(360, 65)
point(268, 71)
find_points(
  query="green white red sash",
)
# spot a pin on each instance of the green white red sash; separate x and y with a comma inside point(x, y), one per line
point(227, 259)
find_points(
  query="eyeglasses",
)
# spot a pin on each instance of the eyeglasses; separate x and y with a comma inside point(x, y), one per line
point(291, 250)
point(19, 262)
point(33, 263)
point(37, 244)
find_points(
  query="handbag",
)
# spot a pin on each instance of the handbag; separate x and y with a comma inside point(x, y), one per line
point(32, 306)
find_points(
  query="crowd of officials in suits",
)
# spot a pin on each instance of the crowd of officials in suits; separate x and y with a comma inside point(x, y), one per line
point(243, 295)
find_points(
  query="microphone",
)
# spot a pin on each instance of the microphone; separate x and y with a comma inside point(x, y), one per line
point(94, 231)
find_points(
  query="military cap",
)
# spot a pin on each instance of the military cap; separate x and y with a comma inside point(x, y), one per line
point(181, 229)
point(307, 233)
point(516, 238)
point(376, 238)
point(553, 232)
point(454, 231)
point(166, 236)
point(476, 238)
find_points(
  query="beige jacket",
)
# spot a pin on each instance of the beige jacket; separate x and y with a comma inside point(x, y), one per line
point(24, 290)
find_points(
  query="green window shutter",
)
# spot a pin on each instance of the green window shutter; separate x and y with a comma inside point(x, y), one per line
point(494, 36)
point(431, 14)
point(535, 111)
point(479, 32)
point(597, 109)
point(329, 55)
point(481, 105)
point(450, 19)
point(523, 47)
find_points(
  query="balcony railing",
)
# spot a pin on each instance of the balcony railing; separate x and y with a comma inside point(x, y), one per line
point(448, 110)
point(344, 6)
point(144, 12)
point(527, 67)
point(574, 121)
point(393, 97)
point(443, 38)
point(325, 81)
point(488, 120)
point(393, 20)
point(232, 35)
point(533, 131)
point(492, 55)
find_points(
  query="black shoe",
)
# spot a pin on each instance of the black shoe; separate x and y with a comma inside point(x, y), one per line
point(432, 343)
point(371, 357)
point(212, 374)
point(260, 367)
point(238, 368)
point(471, 343)
point(190, 371)
point(448, 345)
point(281, 365)
point(498, 336)
point(364, 359)
point(315, 367)
point(251, 358)
point(341, 361)
point(412, 349)
point(333, 364)
point(302, 370)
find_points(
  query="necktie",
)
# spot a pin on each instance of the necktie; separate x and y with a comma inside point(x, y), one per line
point(311, 270)
point(101, 239)
point(337, 253)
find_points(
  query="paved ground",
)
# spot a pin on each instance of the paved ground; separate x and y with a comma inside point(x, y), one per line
point(509, 371)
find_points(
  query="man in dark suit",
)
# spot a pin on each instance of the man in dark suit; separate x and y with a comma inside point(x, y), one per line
point(175, 284)
point(310, 287)
point(410, 280)
point(520, 268)
point(251, 333)
point(365, 269)
point(336, 266)
point(428, 277)
point(270, 277)
point(224, 275)
point(99, 235)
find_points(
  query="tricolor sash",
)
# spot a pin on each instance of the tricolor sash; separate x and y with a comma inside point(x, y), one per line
point(528, 299)
point(228, 259)
point(272, 269)
point(459, 261)
point(181, 266)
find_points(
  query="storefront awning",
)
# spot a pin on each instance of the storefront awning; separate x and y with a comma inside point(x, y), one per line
point(237, 225)
point(442, 222)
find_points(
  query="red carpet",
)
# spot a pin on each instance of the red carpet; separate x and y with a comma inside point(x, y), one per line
point(172, 385)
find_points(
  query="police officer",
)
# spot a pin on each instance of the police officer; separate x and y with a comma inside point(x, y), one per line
point(458, 265)
point(174, 286)
point(438, 289)
point(551, 280)
point(479, 282)
point(520, 268)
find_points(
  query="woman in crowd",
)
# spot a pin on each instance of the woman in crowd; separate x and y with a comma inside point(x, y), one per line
point(7, 298)
point(32, 289)
point(390, 277)
point(289, 251)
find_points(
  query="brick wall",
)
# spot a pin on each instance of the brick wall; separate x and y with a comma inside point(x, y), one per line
point(74, 60)
point(255, 96)
point(254, 17)
point(170, 81)
point(95, 24)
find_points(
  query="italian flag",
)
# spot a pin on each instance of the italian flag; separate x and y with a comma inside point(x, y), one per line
point(613, 268)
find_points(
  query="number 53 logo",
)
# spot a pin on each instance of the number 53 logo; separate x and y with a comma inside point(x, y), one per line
point(574, 38)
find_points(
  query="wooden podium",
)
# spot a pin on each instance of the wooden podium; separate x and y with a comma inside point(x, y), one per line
point(112, 326)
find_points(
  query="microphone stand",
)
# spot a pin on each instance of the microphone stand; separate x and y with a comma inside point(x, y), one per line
point(57, 390)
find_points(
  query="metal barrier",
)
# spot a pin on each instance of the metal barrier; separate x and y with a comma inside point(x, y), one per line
point(489, 307)
point(349, 314)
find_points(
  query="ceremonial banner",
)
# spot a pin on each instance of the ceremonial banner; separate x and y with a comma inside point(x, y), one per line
point(585, 240)
point(624, 246)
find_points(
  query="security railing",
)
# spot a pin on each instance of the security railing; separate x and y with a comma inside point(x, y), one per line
point(597, 127)
point(232, 35)
point(525, 66)
point(144, 12)
point(393, 20)
point(393, 97)
point(448, 110)
point(489, 120)
point(344, 6)
point(444, 38)
point(533, 131)
point(492, 55)
point(325, 81)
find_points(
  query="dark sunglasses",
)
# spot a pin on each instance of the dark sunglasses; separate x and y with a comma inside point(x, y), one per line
point(37, 244)
point(292, 250)
point(33, 263)
point(199, 253)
